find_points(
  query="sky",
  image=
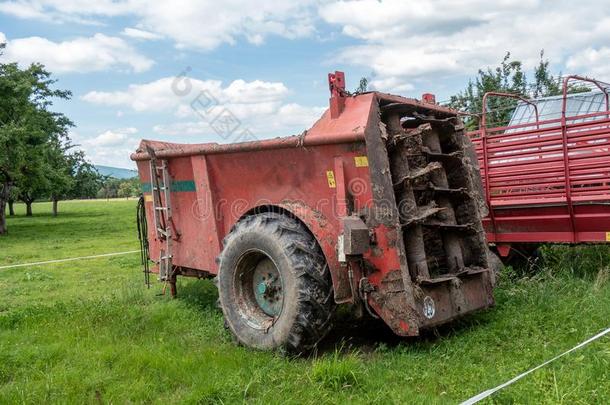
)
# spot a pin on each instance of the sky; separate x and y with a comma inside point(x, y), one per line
point(231, 70)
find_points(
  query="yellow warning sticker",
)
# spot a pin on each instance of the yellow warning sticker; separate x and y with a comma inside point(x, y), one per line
point(148, 197)
point(361, 161)
point(330, 176)
point(607, 236)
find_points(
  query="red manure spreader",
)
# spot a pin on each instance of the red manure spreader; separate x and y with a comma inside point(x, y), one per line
point(546, 173)
point(378, 205)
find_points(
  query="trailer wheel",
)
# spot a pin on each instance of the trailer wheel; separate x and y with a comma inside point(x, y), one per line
point(274, 285)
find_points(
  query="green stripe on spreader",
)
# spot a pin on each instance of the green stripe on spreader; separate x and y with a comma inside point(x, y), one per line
point(176, 186)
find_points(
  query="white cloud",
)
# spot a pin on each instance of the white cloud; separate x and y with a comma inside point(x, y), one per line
point(376, 20)
point(155, 96)
point(188, 128)
point(112, 138)
point(296, 116)
point(405, 42)
point(141, 34)
point(23, 10)
point(240, 91)
point(207, 24)
point(201, 24)
point(166, 94)
point(591, 61)
point(256, 106)
point(111, 147)
point(390, 82)
point(401, 41)
point(281, 120)
point(61, 10)
point(84, 54)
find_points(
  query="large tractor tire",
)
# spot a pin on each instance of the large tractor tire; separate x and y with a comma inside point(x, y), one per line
point(274, 285)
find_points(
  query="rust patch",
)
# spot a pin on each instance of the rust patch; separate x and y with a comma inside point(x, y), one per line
point(390, 301)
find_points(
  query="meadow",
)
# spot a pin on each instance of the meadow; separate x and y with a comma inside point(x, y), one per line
point(90, 331)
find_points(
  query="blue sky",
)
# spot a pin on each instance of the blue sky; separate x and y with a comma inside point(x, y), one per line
point(266, 61)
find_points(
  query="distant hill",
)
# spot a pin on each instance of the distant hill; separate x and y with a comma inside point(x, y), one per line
point(116, 172)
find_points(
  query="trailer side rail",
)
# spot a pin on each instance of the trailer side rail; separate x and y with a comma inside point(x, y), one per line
point(539, 174)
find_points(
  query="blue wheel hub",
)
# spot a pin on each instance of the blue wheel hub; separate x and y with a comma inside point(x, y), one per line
point(267, 287)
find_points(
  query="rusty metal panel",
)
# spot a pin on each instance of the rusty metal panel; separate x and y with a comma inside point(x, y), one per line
point(355, 236)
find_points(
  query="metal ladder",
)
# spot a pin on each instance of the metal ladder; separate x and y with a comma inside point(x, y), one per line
point(160, 181)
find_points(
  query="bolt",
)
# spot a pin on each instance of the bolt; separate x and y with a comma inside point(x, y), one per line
point(262, 287)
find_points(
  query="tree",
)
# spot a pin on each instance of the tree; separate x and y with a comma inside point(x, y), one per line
point(13, 196)
point(33, 182)
point(363, 85)
point(47, 173)
point(135, 186)
point(26, 125)
point(507, 78)
point(110, 188)
point(545, 84)
point(87, 180)
point(125, 189)
point(61, 164)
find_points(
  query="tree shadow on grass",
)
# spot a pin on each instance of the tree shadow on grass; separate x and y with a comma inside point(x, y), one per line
point(201, 294)
point(62, 214)
point(348, 334)
point(367, 334)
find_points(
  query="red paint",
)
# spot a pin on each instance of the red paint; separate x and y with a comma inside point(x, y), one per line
point(336, 85)
point(404, 326)
point(428, 98)
point(547, 181)
point(503, 249)
point(291, 173)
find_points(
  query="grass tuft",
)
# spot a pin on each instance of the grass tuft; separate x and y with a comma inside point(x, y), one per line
point(584, 261)
point(337, 370)
point(603, 276)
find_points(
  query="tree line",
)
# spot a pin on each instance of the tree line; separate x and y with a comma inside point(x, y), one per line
point(37, 157)
point(507, 77)
point(85, 186)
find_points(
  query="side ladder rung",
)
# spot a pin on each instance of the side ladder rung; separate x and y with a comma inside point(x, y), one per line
point(163, 232)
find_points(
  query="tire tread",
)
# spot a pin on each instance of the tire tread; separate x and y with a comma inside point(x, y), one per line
point(315, 293)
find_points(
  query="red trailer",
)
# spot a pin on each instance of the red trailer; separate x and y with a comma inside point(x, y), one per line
point(375, 206)
point(546, 174)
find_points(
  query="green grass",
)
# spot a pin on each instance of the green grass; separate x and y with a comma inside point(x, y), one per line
point(89, 331)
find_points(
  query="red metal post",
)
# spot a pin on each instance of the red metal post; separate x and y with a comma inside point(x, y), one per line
point(341, 187)
point(336, 85)
point(483, 129)
point(566, 152)
point(509, 95)
point(428, 98)
point(566, 158)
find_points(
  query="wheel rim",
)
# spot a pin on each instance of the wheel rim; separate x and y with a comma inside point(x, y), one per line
point(267, 286)
point(259, 289)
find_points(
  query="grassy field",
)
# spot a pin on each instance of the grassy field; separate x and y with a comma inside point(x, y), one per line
point(89, 331)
